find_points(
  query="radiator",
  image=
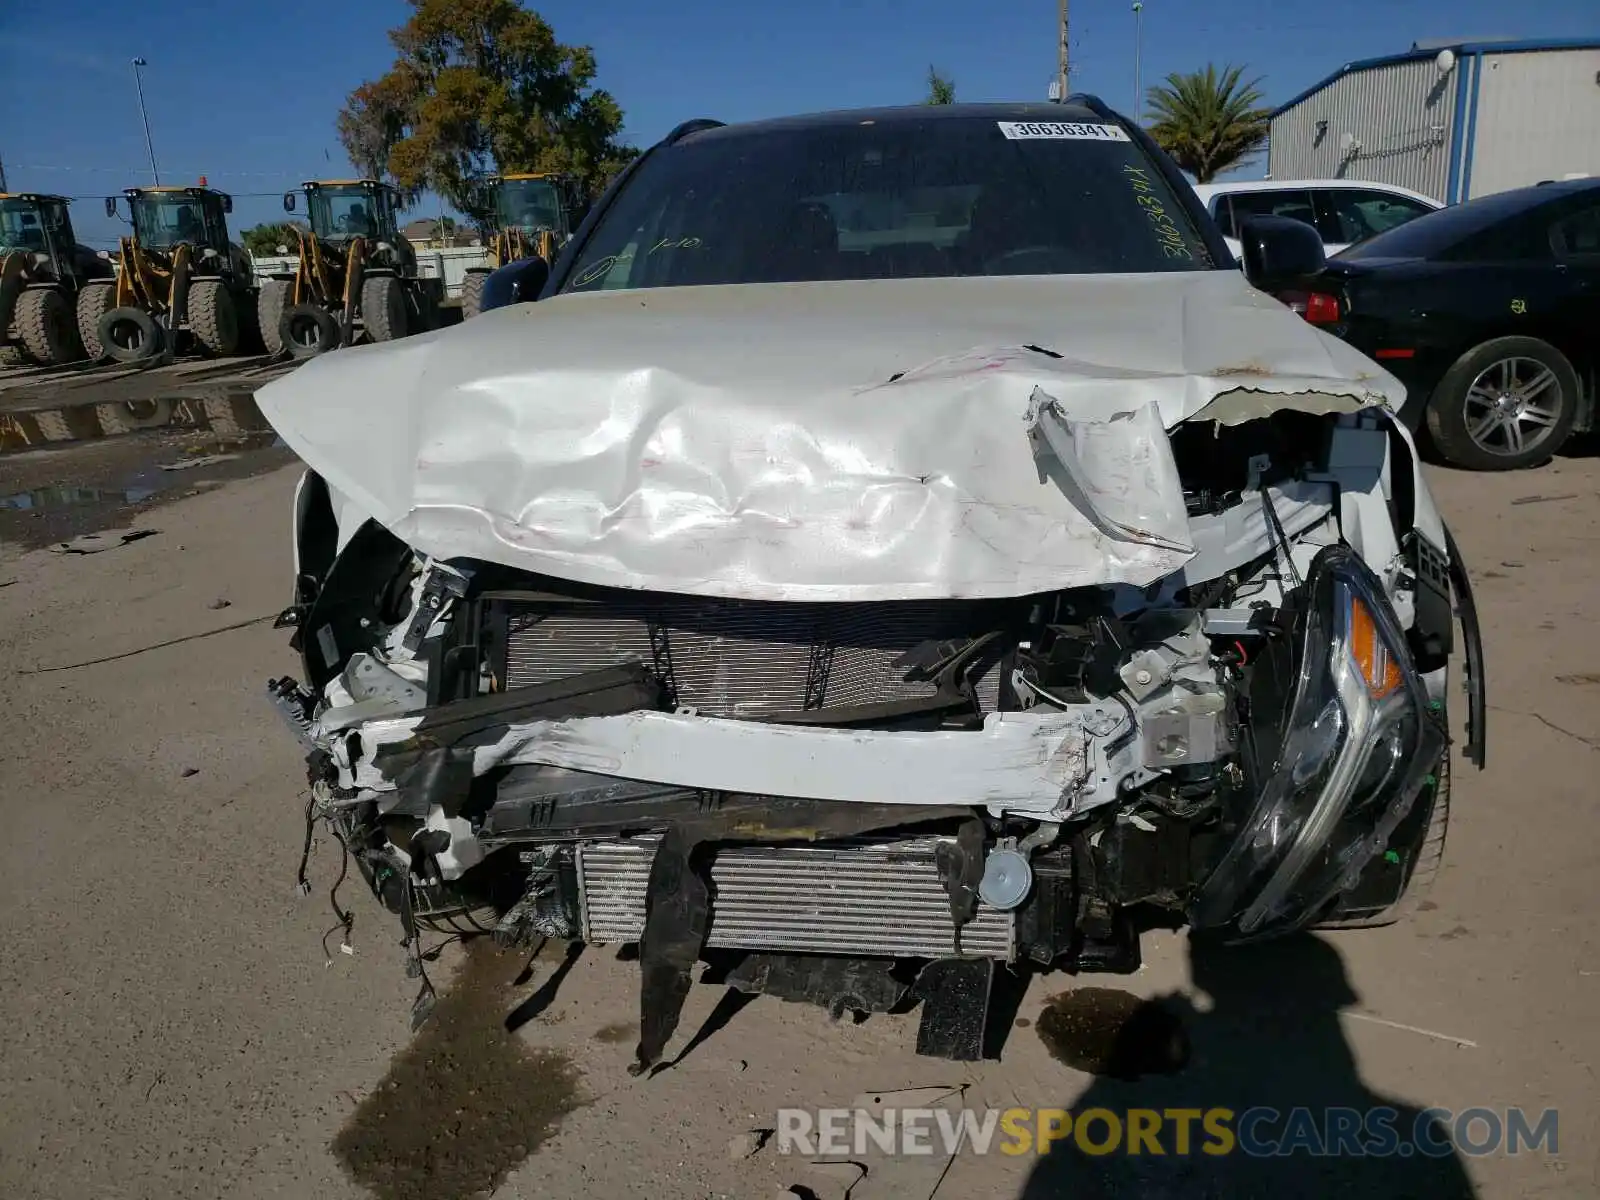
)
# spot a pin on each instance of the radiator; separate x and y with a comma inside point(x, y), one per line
point(867, 897)
point(742, 658)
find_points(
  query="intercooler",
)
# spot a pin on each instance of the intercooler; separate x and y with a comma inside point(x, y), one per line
point(743, 658)
point(868, 897)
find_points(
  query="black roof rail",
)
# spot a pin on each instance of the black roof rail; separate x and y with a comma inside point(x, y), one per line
point(688, 127)
point(1092, 102)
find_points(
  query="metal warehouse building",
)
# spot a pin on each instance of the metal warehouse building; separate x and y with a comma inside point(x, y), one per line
point(1452, 120)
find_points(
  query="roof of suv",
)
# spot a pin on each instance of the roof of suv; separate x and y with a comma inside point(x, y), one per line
point(1077, 109)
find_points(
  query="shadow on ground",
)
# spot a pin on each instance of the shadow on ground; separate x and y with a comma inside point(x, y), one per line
point(1271, 1040)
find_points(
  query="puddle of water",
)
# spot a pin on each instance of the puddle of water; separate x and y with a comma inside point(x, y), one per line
point(66, 496)
point(465, 1102)
point(231, 415)
point(56, 493)
point(1104, 1031)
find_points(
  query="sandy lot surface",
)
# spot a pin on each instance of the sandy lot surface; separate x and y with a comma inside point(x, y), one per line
point(170, 1025)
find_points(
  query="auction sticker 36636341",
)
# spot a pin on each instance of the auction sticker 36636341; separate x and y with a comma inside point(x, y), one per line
point(1073, 131)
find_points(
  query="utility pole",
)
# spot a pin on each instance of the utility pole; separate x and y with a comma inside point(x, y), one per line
point(138, 85)
point(1138, 45)
point(1061, 81)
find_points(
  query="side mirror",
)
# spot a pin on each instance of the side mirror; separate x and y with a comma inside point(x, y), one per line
point(227, 204)
point(111, 206)
point(1278, 250)
point(288, 202)
point(516, 283)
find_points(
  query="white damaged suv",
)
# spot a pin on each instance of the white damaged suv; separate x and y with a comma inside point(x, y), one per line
point(898, 549)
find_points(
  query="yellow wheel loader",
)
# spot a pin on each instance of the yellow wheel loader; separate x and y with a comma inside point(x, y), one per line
point(535, 215)
point(181, 285)
point(43, 270)
point(356, 276)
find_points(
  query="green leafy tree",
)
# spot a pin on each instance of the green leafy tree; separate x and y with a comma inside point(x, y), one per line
point(1208, 122)
point(265, 239)
point(480, 86)
point(941, 88)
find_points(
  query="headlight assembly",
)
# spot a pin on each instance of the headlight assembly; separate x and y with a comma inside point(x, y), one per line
point(1358, 745)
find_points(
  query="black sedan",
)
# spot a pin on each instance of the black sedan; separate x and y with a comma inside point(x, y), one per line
point(1488, 312)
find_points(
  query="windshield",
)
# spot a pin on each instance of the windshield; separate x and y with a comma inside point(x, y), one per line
point(162, 221)
point(21, 226)
point(907, 198)
point(347, 212)
point(530, 205)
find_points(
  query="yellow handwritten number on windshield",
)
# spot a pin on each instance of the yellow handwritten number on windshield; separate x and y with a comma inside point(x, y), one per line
point(1168, 235)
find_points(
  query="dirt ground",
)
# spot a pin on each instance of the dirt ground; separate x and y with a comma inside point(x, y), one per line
point(172, 1026)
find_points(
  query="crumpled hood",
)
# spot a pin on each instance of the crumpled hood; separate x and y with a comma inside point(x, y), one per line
point(823, 441)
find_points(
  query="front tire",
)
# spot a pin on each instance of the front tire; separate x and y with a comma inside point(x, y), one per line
point(213, 319)
point(271, 302)
point(472, 294)
point(94, 302)
point(45, 324)
point(383, 308)
point(1506, 404)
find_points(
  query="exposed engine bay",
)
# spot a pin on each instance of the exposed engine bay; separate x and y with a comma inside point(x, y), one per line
point(867, 803)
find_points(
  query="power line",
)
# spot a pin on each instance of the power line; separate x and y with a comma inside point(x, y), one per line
point(235, 195)
point(170, 170)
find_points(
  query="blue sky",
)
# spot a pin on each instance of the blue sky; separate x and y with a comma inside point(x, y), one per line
point(247, 93)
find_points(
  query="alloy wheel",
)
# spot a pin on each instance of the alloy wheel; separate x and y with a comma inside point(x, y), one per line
point(1513, 405)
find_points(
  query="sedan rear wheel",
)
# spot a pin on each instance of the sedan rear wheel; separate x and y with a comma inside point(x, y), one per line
point(1506, 404)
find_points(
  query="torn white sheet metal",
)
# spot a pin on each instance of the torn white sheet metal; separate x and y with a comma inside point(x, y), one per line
point(1029, 763)
point(1119, 472)
point(820, 441)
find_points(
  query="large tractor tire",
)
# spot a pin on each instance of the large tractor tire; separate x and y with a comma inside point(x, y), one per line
point(472, 294)
point(213, 319)
point(383, 308)
point(308, 330)
point(271, 302)
point(94, 302)
point(45, 325)
point(130, 334)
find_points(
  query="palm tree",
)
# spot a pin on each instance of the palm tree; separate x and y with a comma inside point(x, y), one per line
point(1206, 122)
point(941, 88)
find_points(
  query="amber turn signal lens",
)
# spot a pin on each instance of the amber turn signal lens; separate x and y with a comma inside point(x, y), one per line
point(1379, 671)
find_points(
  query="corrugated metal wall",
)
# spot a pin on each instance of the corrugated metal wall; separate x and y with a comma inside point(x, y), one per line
point(1401, 113)
point(1536, 116)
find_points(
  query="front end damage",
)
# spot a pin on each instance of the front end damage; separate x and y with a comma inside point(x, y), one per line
point(871, 802)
